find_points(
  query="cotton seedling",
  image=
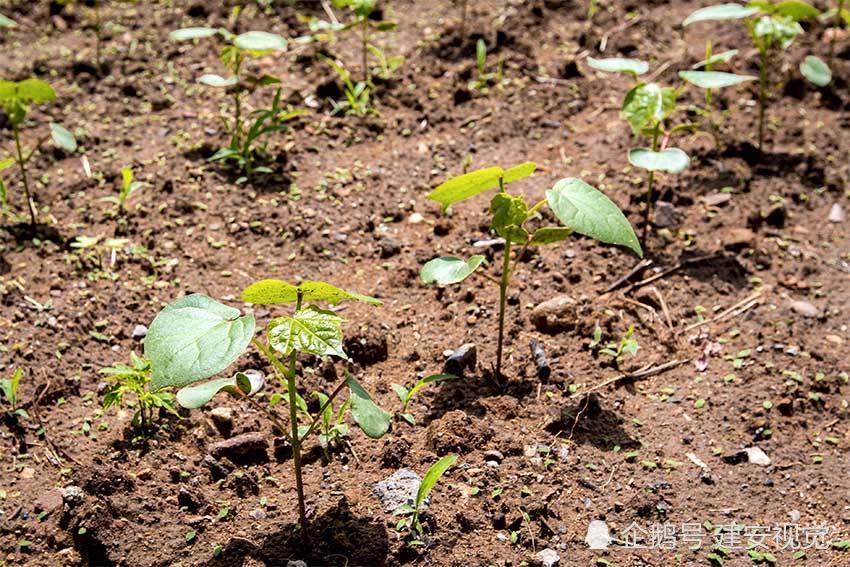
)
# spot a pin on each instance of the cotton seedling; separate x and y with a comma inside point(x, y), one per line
point(237, 50)
point(616, 350)
point(133, 380)
point(128, 187)
point(9, 389)
point(357, 95)
point(90, 253)
point(362, 11)
point(410, 514)
point(196, 337)
point(483, 79)
point(405, 395)
point(772, 27)
point(577, 205)
point(15, 100)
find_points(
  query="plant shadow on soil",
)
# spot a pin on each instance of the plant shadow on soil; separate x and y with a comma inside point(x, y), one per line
point(466, 393)
point(587, 422)
point(338, 537)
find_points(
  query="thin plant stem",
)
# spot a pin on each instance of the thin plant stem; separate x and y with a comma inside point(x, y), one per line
point(503, 296)
point(22, 164)
point(648, 211)
point(98, 32)
point(322, 409)
point(762, 94)
point(296, 440)
point(237, 100)
point(364, 48)
point(463, 7)
point(836, 26)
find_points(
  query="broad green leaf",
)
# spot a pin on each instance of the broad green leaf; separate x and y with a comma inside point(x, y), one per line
point(431, 477)
point(6, 22)
point(776, 30)
point(62, 137)
point(448, 269)
point(36, 91)
point(509, 213)
point(470, 184)
point(671, 160)
point(796, 10)
point(550, 235)
point(373, 420)
point(590, 212)
point(197, 395)
point(259, 41)
point(218, 81)
point(619, 65)
point(646, 105)
point(192, 33)
point(728, 11)
point(310, 330)
point(714, 79)
point(816, 71)
point(273, 292)
point(723, 57)
point(194, 338)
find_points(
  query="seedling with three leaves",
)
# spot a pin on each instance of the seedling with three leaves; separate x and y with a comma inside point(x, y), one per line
point(578, 206)
point(773, 27)
point(128, 187)
point(245, 132)
point(134, 380)
point(196, 337)
point(15, 100)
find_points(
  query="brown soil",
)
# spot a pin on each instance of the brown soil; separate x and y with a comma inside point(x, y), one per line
point(337, 208)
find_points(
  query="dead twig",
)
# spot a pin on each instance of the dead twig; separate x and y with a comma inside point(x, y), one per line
point(673, 269)
point(639, 267)
point(663, 304)
point(645, 372)
point(740, 307)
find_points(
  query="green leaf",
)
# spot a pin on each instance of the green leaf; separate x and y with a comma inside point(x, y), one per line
point(728, 11)
point(400, 391)
point(431, 477)
point(619, 65)
point(259, 41)
point(448, 269)
point(816, 71)
point(428, 380)
point(646, 105)
point(197, 395)
point(550, 235)
point(62, 137)
point(714, 79)
point(273, 292)
point(29, 90)
point(509, 213)
point(589, 212)
point(310, 330)
point(374, 421)
point(671, 160)
point(470, 184)
point(782, 31)
point(192, 33)
point(7, 163)
point(796, 10)
point(217, 81)
point(723, 57)
point(194, 338)
point(6, 22)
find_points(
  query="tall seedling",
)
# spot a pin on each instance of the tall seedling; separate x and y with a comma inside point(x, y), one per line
point(577, 205)
point(261, 122)
point(195, 337)
point(15, 99)
point(772, 27)
point(362, 10)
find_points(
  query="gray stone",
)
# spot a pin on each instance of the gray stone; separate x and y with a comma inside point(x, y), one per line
point(494, 455)
point(548, 557)
point(757, 457)
point(72, 495)
point(139, 332)
point(836, 214)
point(242, 449)
point(554, 315)
point(805, 309)
point(223, 419)
point(398, 489)
point(666, 215)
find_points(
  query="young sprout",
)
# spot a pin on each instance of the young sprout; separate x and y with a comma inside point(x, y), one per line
point(836, 14)
point(577, 205)
point(483, 79)
point(195, 337)
point(357, 95)
point(134, 379)
point(9, 389)
point(362, 10)
point(432, 475)
point(15, 100)
point(616, 350)
point(128, 187)
point(772, 27)
point(405, 395)
point(233, 56)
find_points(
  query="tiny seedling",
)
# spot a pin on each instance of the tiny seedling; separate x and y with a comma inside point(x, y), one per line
point(773, 27)
point(128, 187)
point(836, 15)
point(578, 206)
point(15, 99)
point(237, 50)
point(362, 11)
point(9, 389)
point(483, 79)
point(412, 513)
point(196, 337)
point(134, 379)
point(96, 6)
point(616, 350)
point(357, 95)
point(90, 253)
point(405, 395)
